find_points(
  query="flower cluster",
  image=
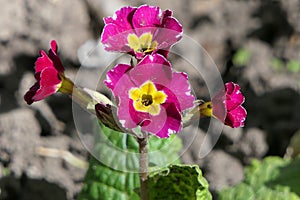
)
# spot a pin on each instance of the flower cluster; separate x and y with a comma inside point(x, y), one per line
point(150, 95)
point(140, 31)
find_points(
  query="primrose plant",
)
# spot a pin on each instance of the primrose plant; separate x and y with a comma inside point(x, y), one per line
point(152, 100)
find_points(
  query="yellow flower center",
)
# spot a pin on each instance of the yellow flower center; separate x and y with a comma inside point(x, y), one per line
point(206, 109)
point(147, 98)
point(143, 43)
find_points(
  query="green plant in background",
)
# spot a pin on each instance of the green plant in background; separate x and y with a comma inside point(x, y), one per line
point(6, 171)
point(241, 57)
point(274, 178)
point(293, 66)
point(277, 64)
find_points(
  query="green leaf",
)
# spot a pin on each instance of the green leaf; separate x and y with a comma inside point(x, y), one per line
point(115, 176)
point(163, 152)
point(272, 179)
point(289, 176)
point(179, 182)
point(241, 57)
point(241, 191)
point(102, 182)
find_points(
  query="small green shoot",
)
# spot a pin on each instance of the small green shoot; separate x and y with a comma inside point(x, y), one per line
point(293, 66)
point(241, 57)
point(6, 171)
point(277, 64)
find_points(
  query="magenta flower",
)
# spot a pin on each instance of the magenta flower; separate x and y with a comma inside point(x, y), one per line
point(227, 106)
point(140, 31)
point(150, 95)
point(49, 75)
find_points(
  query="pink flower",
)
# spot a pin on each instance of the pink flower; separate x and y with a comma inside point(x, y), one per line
point(150, 95)
point(140, 31)
point(227, 106)
point(49, 75)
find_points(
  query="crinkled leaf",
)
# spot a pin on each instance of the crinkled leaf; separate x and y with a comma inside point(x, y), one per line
point(246, 192)
point(102, 182)
point(274, 178)
point(179, 182)
point(241, 191)
point(118, 151)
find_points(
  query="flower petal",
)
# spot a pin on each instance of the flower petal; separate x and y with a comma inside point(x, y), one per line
point(115, 74)
point(49, 77)
point(229, 87)
point(49, 84)
point(133, 42)
point(180, 88)
point(236, 117)
point(155, 59)
point(234, 97)
point(51, 61)
point(170, 32)
point(146, 40)
point(166, 123)
point(129, 117)
point(113, 39)
point(116, 30)
point(28, 97)
point(172, 24)
point(135, 93)
point(148, 88)
point(159, 97)
point(54, 57)
point(153, 68)
point(139, 107)
point(146, 16)
point(43, 62)
point(154, 109)
point(122, 18)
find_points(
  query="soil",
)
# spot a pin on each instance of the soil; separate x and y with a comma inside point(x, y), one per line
point(268, 30)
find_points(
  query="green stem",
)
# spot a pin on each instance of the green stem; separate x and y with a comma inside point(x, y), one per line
point(82, 98)
point(76, 93)
point(143, 161)
point(66, 85)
